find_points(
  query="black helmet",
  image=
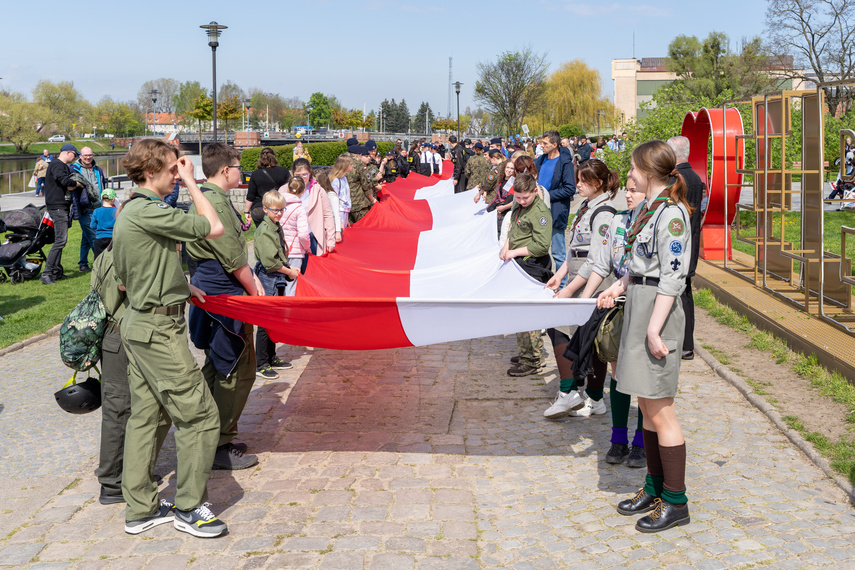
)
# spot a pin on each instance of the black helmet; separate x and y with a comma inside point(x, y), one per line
point(80, 398)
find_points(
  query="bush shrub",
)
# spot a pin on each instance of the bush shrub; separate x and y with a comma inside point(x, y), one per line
point(323, 154)
point(567, 131)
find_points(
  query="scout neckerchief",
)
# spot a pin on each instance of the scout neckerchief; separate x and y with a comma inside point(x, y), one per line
point(641, 221)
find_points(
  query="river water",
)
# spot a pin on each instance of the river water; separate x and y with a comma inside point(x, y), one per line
point(15, 172)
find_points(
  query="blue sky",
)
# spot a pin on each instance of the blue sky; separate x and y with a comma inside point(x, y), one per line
point(360, 51)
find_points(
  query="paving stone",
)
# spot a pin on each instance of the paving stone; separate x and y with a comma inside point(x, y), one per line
point(19, 554)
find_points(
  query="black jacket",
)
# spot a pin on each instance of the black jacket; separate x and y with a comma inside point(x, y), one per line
point(694, 195)
point(57, 181)
point(264, 180)
point(580, 349)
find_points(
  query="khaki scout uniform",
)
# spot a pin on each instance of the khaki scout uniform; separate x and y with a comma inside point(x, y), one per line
point(588, 236)
point(530, 227)
point(360, 191)
point(476, 171)
point(610, 259)
point(230, 392)
point(162, 373)
point(658, 265)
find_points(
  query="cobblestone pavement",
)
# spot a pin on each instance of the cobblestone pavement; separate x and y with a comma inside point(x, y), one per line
point(420, 458)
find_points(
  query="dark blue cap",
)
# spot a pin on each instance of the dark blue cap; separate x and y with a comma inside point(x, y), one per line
point(478, 145)
point(351, 142)
point(370, 144)
point(496, 140)
point(70, 147)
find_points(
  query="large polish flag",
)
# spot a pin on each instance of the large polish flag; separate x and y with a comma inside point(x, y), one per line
point(421, 268)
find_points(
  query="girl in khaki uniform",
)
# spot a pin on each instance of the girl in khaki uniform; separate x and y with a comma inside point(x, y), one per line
point(659, 249)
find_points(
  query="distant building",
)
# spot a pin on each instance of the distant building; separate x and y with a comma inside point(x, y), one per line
point(636, 80)
point(166, 123)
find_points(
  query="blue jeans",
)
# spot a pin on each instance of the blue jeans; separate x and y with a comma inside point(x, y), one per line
point(60, 227)
point(87, 240)
point(559, 251)
point(40, 186)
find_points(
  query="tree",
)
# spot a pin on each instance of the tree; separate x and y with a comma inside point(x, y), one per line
point(166, 87)
point(62, 100)
point(229, 109)
point(511, 86)
point(20, 120)
point(708, 68)
point(573, 97)
point(228, 90)
point(203, 110)
point(318, 108)
point(116, 117)
point(445, 125)
point(183, 101)
point(399, 119)
point(820, 34)
point(420, 123)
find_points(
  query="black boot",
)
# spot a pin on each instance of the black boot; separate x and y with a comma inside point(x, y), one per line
point(664, 516)
point(640, 503)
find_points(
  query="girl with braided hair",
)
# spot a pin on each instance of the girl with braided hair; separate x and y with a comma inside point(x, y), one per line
point(657, 254)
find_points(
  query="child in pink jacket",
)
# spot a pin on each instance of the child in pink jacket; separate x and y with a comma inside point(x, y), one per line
point(295, 225)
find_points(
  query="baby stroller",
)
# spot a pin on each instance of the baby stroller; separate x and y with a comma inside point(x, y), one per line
point(28, 230)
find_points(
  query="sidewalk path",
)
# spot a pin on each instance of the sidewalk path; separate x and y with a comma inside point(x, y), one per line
point(420, 458)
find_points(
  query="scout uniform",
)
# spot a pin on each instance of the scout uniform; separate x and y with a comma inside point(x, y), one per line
point(611, 257)
point(115, 392)
point(162, 373)
point(531, 227)
point(231, 390)
point(360, 189)
point(476, 171)
point(272, 255)
point(588, 236)
point(659, 252)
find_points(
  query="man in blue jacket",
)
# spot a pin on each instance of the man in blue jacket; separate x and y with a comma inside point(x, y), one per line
point(555, 173)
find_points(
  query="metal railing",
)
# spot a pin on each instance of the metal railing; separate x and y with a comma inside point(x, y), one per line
point(15, 181)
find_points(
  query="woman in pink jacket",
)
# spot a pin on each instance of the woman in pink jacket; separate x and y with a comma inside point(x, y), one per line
point(318, 209)
point(295, 226)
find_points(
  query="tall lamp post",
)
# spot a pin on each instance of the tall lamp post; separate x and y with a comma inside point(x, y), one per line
point(214, 30)
point(457, 85)
point(246, 107)
point(154, 95)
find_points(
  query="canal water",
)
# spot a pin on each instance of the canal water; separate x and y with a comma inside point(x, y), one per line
point(15, 172)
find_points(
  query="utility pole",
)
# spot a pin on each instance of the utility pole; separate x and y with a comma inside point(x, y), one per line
point(450, 79)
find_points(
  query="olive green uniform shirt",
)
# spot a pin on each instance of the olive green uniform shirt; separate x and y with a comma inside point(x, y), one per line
point(144, 253)
point(476, 171)
point(531, 227)
point(230, 250)
point(489, 185)
point(269, 247)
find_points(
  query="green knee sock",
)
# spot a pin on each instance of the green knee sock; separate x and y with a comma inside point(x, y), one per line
point(567, 385)
point(674, 497)
point(653, 486)
point(620, 406)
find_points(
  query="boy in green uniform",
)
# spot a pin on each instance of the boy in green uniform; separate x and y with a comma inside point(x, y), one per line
point(162, 374)
point(361, 196)
point(528, 244)
point(477, 168)
point(273, 272)
point(222, 269)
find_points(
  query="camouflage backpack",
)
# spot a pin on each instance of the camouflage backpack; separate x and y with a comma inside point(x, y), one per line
point(82, 333)
point(607, 341)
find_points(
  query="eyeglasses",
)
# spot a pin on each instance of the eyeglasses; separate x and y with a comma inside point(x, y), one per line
point(275, 210)
point(87, 155)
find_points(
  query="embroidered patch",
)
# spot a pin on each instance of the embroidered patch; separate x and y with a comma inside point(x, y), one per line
point(676, 247)
point(639, 249)
point(676, 227)
point(543, 220)
point(579, 237)
point(675, 264)
point(603, 229)
point(621, 232)
point(605, 242)
point(162, 205)
point(490, 177)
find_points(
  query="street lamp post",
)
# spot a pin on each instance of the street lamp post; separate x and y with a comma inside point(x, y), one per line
point(599, 112)
point(214, 30)
point(154, 95)
point(246, 107)
point(457, 85)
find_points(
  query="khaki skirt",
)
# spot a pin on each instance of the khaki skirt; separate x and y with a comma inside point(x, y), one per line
point(639, 373)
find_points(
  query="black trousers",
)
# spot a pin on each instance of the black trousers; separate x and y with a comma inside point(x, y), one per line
point(689, 309)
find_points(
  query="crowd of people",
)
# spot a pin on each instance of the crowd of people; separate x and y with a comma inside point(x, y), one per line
point(645, 254)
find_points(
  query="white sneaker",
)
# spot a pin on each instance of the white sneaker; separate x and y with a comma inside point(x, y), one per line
point(564, 404)
point(591, 407)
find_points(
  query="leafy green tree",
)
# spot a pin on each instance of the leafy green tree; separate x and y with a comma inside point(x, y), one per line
point(20, 119)
point(183, 101)
point(115, 117)
point(707, 68)
point(399, 121)
point(203, 110)
point(573, 95)
point(510, 87)
point(319, 110)
point(424, 117)
point(167, 89)
point(65, 104)
point(230, 109)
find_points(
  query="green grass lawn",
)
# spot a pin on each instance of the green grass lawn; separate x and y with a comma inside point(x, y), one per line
point(31, 307)
point(792, 230)
point(99, 145)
